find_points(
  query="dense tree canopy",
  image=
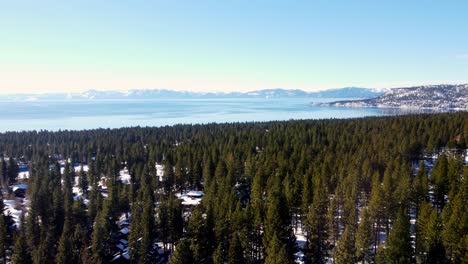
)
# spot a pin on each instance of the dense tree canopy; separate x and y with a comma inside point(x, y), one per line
point(273, 192)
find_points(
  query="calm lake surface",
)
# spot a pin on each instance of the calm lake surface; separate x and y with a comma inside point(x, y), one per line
point(74, 115)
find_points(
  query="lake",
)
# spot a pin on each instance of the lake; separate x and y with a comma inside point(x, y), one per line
point(75, 115)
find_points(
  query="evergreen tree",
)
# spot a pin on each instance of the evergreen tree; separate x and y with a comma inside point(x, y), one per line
point(277, 220)
point(364, 238)
point(197, 234)
point(218, 255)
point(316, 228)
point(135, 232)
point(169, 178)
point(435, 252)
point(345, 250)
point(4, 173)
point(236, 252)
point(99, 239)
point(183, 253)
point(4, 231)
point(376, 210)
point(66, 253)
point(389, 199)
point(83, 180)
point(3, 238)
point(420, 186)
point(333, 221)
point(398, 245)
point(440, 180)
point(12, 170)
point(147, 227)
point(276, 252)
point(421, 246)
point(21, 252)
point(455, 227)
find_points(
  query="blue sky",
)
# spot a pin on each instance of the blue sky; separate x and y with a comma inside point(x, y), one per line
point(51, 46)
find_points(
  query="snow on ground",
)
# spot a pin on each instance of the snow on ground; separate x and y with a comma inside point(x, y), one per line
point(160, 171)
point(10, 210)
point(190, 198)
point(77, 168)
point(23, 175)
point(124, 176)
point(78, 195)
point(301, 242)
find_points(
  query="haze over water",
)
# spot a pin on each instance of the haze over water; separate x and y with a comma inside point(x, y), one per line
point(78, 115)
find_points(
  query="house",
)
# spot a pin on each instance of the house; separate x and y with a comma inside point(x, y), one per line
point(191, 198)
point(19, 190)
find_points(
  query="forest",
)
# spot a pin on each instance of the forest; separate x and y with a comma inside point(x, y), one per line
point(367, 190)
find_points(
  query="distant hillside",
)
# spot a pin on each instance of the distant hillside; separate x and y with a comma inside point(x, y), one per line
point(425, 97)
point(349, 92)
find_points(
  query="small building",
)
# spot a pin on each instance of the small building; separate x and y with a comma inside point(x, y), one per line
point(19, 190)
point(191, 198)
point(195, 194)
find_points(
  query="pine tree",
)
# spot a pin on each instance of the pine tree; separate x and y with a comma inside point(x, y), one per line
point(236, 252)
point(435, 252)
point(66, 253)
point(218, 255)
point(440, 180)
point(333, 221)
point(169, 178)
point(398, 245)
point(176, 221)
point(95, 202)
point(316, 228)
point(12, 170)
point(21, 252)
point(4, 231)
point(388, 201)
point(278, 219)
point(257, 205)
point(345, 249)
point(456, 226)
point(421, 246)
point(99, 238)
point(376, 210)
point(135, 232)
point(364, 238)
point(197, 234)
point(147, 225)
point(3, 173)
point(44, 252)
point(276, 252)
point(183, 253)
point(83, 180)
point(3, 238)
point(420, 186)
point(68, 178)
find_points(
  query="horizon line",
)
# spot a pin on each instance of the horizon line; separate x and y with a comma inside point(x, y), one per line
point(230, 91)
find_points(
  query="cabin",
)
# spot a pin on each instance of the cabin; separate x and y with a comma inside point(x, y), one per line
point(191, 198)
point(19, 190)
point(195, 194)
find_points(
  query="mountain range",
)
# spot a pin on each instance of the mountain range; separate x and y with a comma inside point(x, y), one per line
point(445, 96)
point(348, 92)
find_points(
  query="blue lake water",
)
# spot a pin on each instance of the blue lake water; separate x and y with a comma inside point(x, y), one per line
point(73, 115)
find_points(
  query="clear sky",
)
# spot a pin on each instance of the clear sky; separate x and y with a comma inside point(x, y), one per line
point(224, 45)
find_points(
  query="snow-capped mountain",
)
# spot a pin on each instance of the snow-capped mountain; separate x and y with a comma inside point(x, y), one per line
point(444, 96)
point(349, 92)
